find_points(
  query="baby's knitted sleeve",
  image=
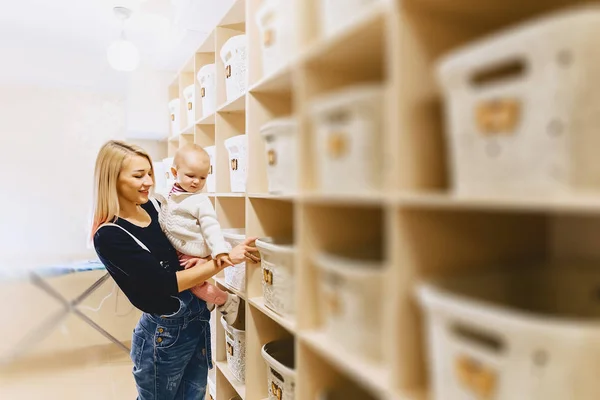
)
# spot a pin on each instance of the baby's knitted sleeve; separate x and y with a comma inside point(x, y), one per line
point(211, 229)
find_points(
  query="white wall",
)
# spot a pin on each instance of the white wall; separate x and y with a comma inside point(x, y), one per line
point(49, 138)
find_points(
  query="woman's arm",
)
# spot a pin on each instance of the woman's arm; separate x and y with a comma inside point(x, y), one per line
point(191, 277)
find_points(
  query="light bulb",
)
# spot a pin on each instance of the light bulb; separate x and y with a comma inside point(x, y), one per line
point(122, 55)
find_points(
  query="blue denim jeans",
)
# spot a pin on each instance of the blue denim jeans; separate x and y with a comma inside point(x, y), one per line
point(171, 354)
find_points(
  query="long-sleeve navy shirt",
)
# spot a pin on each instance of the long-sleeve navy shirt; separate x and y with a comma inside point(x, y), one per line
point(148, 279)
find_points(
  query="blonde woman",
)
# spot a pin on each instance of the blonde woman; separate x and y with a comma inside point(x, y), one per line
point(170, 346)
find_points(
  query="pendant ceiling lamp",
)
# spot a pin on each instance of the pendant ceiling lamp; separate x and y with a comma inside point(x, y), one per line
point(122, 55)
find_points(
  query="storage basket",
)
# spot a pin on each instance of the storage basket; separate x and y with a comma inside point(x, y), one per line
point(213, 331)
point(237, 147)
point(531, 332)
point(337, 14)
point(235, 342)
point(351, 285)
point(275, 20)
point(277, 264)
point(211, 181)
point(235, 276)
point(348, 126)
point(234, 56)
point(160, 179)
point(281, 374)
point(189, 94)
point(174, 112)
point(170, 179)
point(281, 147)
point(207, 77)
point(521, 114)
point(212, 390)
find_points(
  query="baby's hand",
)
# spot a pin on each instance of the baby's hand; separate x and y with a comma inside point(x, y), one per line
point(224, 259)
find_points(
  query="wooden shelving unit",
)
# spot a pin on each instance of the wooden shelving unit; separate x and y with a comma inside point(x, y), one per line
point(422, 227)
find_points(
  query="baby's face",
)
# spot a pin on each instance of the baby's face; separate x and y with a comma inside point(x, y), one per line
point(192, 172)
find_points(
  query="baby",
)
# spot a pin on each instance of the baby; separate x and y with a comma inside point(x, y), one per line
point(189, 220)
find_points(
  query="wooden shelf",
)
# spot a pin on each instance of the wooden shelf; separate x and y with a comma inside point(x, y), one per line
point(588, 204)
point(278, 82)
point(221, 281)
point(286, 322)
point(208, 120)
point(422, 227)
point(239, 387)
point(368, 374)
point(283, 197)
point(235, 105)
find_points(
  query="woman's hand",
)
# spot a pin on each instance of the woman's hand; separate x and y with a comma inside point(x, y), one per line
point(244, 251)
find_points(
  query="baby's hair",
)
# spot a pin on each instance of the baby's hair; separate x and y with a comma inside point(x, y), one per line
point(187, 150)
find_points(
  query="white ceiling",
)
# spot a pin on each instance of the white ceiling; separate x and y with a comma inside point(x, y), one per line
point(64, 41)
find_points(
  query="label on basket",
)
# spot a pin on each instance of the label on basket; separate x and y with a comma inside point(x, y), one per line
point(202, 92)
point(268, 276)
point(277, 387)
point(475, 377)
point(190, 105)
point(172, 117)
point(334, 305)
point(269, 37)
point(228, 71)
point(234, 164)
point(337, 144)
point(272, 157)
point(210, 169)
point(497, 116)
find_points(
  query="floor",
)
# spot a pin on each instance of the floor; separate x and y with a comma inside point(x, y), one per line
point(95, 373)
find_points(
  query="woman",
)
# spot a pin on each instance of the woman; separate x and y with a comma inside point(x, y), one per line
point(170, 346)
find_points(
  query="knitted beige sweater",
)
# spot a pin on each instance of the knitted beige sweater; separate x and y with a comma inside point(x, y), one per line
point(190, 222)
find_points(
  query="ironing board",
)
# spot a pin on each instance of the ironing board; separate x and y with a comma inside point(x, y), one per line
point(38, 278)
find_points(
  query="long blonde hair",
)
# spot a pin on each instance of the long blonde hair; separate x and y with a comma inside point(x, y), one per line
point(108, 167)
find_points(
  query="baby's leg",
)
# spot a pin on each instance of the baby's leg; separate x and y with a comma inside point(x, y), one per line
point(210, 293)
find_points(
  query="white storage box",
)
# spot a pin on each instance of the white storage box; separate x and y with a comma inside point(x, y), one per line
point(207, 77)
point(515, 333)
point(277, 264)
point(211, 181)
point(234, 56)
point(235, 276)
point(348, 126)
point(281, 374)
point(189, 94)
point(212, 390)
point(237, 147)
point(276, 21)
point(170, 179)
point(235, 342)
point(175, 111)
point(351, 286)
point(281, 146)
point(337, 14)
point(160, 178)
point(521, 114)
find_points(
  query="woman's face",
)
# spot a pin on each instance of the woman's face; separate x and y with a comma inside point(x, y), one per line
point(135, 180)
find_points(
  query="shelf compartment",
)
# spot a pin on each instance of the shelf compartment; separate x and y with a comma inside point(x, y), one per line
point(266, 217)
point(208, 120)
point(227, 125)
point(372, 376)
point(231, 212)
point(263, 108)
point(202, 59)
point(278, 82)
point(220, 280)
point(230, 380)
point(355, 53)
point(204, 135)
point(287, 322)
point(235, 105)
point(235, 16)
point(260, 329)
